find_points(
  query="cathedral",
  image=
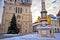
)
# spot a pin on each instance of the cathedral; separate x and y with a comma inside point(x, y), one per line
point(22, 11)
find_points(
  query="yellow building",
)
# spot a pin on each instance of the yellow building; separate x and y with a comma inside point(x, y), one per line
point(23, 14)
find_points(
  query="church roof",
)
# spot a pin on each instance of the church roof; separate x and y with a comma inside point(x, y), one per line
point(58, 13)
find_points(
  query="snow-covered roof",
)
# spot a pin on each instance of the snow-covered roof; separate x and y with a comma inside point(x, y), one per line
point(53, 19)
point(43, 27)
point(35, 24)
point(34, 37)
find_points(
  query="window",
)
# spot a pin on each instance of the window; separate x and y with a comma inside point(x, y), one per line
point(4, 1)
point(55, 30)
point(16, 9)
point(50, 31)
point(20, 10)
point(58, 29)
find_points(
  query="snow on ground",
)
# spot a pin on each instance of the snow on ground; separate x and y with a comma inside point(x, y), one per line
point(33, 37)
point(9, 34)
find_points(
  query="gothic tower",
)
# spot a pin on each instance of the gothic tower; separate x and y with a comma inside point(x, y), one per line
point(23, 14)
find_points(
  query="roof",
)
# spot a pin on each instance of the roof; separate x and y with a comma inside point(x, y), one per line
point(53, 19)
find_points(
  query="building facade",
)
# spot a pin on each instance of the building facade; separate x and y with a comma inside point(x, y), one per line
point(55, 25)
point(23, 14)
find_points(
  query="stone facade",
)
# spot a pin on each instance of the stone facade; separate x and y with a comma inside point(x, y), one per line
point(55, 25)
point(23, 14)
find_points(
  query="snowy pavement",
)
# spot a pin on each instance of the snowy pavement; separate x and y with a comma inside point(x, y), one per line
point(33, 37)
point(7, 35)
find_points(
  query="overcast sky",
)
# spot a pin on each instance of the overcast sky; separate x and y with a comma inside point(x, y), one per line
point(52, 7)
point(1, 9)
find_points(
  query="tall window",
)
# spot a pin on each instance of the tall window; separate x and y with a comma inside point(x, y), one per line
point(16, 10)
point(50, 31)
point(20, 10)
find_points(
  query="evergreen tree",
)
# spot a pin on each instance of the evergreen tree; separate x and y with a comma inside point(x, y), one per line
point(12, 29)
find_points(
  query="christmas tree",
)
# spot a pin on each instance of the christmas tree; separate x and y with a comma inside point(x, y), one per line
point(12, 29)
